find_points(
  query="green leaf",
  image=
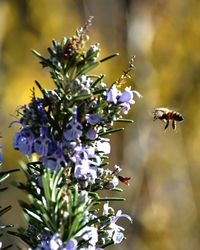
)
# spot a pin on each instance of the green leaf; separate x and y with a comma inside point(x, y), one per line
point(64, 41)
point(50, 51)
point(4, 210)
point(75, 224)
point(87, 67)
point(59, 193)
point(45, 62)
point(33, 215)
point(48, 219)
point(55, 186)
point(40, 88)
point(5, 174)
point(124, 120)
point(94, 195)
point(3, 177)
point(97, 80)
point(81, 97)
point(112, 199)
point(108, 57)
point(110, 131)
point(117, 189)
point(38, 54)
point(45, 183)
point(99, 91)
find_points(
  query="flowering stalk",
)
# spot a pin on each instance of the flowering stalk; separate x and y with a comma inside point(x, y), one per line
point(63, 135)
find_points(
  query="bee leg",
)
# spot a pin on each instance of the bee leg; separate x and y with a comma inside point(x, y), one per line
point(167, 124)
point(154, 116)
point(173, 124)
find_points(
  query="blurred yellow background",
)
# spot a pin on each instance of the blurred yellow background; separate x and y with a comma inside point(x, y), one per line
point(164, 193)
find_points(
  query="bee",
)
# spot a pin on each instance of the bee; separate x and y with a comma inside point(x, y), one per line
point(166, 115)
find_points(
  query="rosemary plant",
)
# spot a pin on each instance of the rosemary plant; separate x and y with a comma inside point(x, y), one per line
point(63, 133)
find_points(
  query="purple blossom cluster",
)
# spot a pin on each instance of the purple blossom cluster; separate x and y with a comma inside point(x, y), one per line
point(65, 132)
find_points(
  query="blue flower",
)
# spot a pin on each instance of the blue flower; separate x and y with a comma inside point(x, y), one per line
point(103, 146)
point(126, 98)
point(82, 84)
point(86, 163)
point(86, 81)
point(89, 234)
point(73, 129)
point(34, 113)
point(127, 95)
point(112, 228)
point(113, 94)
point(42, 143)
point(85, 172)
point(112, 183)
point(23, 141)
point(125, 107)
point(70, 245)
point(93, 118)
point(55, 160)
point(55, 243)
point(82, 169)
point(91, 134)
point(79, 154)
point(88, 153)
point(93, 52)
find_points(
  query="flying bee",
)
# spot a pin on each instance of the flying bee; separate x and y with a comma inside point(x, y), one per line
point(166, 115)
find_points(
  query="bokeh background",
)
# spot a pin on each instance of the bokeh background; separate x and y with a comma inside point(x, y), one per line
point(164, 193)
